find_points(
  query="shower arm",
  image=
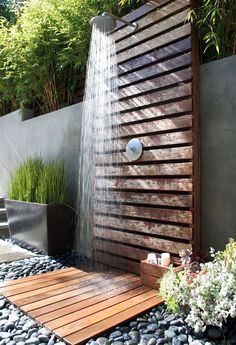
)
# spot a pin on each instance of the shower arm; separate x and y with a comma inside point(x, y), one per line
point(134, 24)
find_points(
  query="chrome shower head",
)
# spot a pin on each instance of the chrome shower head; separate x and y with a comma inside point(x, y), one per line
point(107, 22)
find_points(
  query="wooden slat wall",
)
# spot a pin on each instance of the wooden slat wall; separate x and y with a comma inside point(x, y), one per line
point(154, 204)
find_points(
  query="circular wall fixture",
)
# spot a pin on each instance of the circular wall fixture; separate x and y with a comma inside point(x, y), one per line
point(134, 150)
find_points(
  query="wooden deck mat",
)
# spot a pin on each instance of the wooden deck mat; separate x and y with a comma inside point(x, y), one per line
point(78, 305)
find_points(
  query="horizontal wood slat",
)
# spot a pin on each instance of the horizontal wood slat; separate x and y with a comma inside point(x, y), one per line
point(155, 43)
point(156, 55)
point(155, 199)
point(156, 70)
point(146, 212)
point(147, 170)
point(141, 240)
point(148, 227)
point(108, 298)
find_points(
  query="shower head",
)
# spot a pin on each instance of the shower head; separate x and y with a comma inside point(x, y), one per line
point(107, 22)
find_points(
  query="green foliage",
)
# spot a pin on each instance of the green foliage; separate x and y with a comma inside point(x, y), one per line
point(37, 181)
point(44, 54)
point(216, 20)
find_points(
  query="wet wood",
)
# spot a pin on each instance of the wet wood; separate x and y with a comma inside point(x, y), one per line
point(156, 97)
point(155, 43)
point(156, 199)
point(159, 82)
point(147, 170)
point(171, 215)
point(106, 300)
point(156, 69)
point(145, 241)
point(155, 155)
point(152, 140)
point(148, 227)
point(155, 56)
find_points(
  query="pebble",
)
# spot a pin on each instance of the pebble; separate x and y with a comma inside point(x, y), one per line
point(103, 341)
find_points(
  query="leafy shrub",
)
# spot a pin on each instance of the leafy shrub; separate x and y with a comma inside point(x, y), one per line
point(43, 54)
point(216, 20)
point(37, 181)
point(205, 297)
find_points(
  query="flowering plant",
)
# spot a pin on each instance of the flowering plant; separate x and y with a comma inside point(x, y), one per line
point(207, 296)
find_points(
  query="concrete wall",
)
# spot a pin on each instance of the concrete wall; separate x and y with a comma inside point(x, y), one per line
point(218, 152)
point(53, 135)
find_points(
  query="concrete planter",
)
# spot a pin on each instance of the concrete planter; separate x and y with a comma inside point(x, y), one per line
point(45, 227)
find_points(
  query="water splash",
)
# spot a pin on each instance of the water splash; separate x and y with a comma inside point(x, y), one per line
point(99, 107)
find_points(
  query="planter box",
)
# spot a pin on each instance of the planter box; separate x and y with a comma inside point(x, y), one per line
point(150, 273)
point(45, 227)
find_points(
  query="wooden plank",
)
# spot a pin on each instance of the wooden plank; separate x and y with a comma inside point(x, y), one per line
point(77, 293)
point(147, 170)
point(184, 90)
point(141, 240)
point(152, 140)
point(148, 227)
point(116, 319)
point(169, 109)
point(38, 277)
point(120, 249)
point(155, 43)
point(156, 83)
point(98, 307)
point(169, 23)
point(171, 184)
point(104, 314)
point(155, 56)
point(156, 199)
point(62, 280)
point(152, 127)
point(29, 297)
point(155, 70)
point(88, 303)
point(169, 215)
point(61, 304)
point(115, 261)
point(141, 12)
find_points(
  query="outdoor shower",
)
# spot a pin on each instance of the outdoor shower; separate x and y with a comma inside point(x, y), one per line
point(107, 22)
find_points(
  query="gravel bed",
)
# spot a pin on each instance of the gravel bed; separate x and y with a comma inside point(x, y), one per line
point(156, 327)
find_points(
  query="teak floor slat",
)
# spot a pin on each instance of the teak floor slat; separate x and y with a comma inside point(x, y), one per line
point(78, 305)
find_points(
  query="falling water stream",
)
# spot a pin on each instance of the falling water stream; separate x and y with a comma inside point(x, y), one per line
point(99, 108)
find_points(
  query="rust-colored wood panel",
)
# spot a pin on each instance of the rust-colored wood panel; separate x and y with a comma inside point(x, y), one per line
point(155, 56)
point(155, 70)
point(174, 153)
point(156, 97)
point(141, 240)
point(163, 139)
point(159, 125)
point(154, 112)
point(147, 170)
point(90, 302)
point(120, 249)
point(78, 337)
point(39, 277)
point(155, 43)
point(118, 262)
point(158, 28)
point(135, 197)
point(169, 215)
point(98, 307)
point(83, 299)
point(156, 83)
point(152, 184)
point(148, 227)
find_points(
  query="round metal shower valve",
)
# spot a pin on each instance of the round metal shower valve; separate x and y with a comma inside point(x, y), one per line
point(134, 150)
